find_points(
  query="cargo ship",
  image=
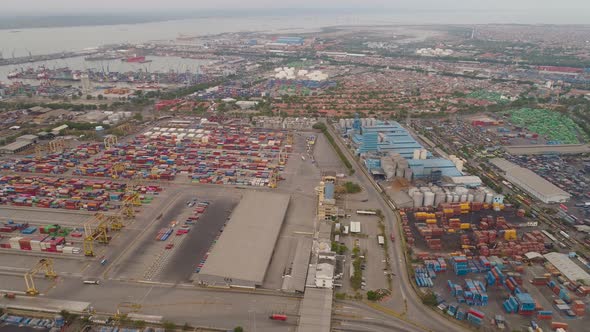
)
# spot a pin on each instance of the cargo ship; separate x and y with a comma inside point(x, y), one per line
point(137, 59)
point(102, 56)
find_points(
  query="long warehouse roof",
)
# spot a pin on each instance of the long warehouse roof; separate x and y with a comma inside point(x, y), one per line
point(245, 247)
point(567, 267)
point(529, 177)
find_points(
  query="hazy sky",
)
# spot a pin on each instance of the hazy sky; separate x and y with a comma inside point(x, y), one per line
point(63, 6)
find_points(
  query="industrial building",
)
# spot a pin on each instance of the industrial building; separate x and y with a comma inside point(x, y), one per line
point(22, 143)
point(567, 267)
point(327, 208)
point(242, 253)
point(530, 182)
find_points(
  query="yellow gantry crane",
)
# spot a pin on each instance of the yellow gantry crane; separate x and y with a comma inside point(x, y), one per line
point(109, 141)
point(54, 146)
point(45, 265)
point(95, 229)
point(117, 169)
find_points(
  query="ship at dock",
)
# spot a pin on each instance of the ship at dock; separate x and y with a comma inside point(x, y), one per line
point(103, 57)
point(136, 59)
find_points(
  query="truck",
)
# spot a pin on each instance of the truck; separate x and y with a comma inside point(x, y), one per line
point(380, 240)
point(280, 317)
point(392, 237)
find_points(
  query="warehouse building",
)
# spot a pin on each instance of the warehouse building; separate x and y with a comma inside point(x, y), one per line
point(530, 182)
point(22, 143)
point(567, 267)
point(243, 252)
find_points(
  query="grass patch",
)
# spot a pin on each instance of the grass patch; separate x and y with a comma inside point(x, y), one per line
point(336, 148)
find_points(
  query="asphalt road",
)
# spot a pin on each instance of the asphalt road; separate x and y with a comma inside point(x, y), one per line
point(416, 311)
point(197, 242)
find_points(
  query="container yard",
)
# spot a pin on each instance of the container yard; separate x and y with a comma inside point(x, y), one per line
point(482, 260)
point(202, 152)
point(67, 193)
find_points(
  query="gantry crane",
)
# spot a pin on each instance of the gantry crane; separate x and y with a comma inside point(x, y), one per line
point(274, 178)
point(117, 169)
point(132, 198)
point(46, 265)
point(53, 146)
point(282, 158)
point(109, 141)
point(95, 230)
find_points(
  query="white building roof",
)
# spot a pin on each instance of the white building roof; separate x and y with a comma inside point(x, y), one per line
point(531, 182)
point(567, 267)
point(355, 226)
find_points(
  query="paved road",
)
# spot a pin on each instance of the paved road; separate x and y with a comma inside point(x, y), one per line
point(416, 311)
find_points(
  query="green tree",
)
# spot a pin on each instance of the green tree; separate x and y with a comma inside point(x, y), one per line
point(238, 329)
point(169, 326)
point(429, 299)
point(372, 296)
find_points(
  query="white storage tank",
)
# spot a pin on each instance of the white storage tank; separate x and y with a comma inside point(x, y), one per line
point(342, 123)
point(399, 172)
point(412, 190)
point(429, 198)
point(423, 153)
point(349, 123)
point(364, 122)
point(489, 198)
point(461, 190)
point(479, 196)
point(416, 154)
point(456, 198)
point(418, 199)
point(459, 165)
point(463, 198)
point(424, 189)
point(470, 198)
point(439, 198)
point(408, 174)
point(449, 198)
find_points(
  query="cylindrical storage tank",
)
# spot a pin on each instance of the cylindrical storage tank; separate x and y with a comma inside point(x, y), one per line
point(412, 190)
point(408, 174)
point(342, 123)
point(459, 165)
point(463, 198)
point(456, 198)
point(423, 153)
point(424, 189)
point(479, 196)
point(348, 123)
point(461, 190)
point(364, 122)
point(470, 198)
point(439, 198)
point(416, 154)
point(489, 198)
point(449, 198)
point(399, 172)
point(429, 199)
point(418, 199)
